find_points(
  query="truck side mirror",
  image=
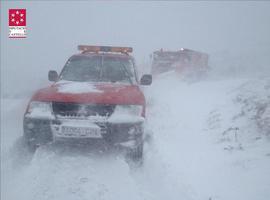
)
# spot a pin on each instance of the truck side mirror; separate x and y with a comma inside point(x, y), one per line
point(52, 75)
point(146, 79)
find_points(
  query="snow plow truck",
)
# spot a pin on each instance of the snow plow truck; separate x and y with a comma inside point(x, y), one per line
point(184, 61)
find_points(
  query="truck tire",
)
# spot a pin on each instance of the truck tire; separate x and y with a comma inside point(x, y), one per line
point(31, 146)
point(136, 154)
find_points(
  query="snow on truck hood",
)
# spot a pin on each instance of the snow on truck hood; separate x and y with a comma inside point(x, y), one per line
point(89, 92)
point(76, 87)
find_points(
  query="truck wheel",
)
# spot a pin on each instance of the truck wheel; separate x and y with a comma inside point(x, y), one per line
point(31, 146)
point(136, 154)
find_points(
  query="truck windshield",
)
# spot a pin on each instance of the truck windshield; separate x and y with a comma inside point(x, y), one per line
point(99, 69)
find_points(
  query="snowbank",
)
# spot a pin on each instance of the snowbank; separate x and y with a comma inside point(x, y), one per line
point(208, 135)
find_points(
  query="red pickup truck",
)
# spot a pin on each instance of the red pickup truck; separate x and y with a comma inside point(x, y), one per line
point(96, 99)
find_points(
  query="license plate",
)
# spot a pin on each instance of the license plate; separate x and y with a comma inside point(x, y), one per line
point(80, 132)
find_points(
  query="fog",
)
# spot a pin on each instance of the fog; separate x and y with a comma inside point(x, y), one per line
point(234, 34)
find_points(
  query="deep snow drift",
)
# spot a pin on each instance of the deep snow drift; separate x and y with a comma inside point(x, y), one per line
point(210, 141)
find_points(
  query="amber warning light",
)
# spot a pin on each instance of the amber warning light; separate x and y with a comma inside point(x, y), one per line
point(87, 48)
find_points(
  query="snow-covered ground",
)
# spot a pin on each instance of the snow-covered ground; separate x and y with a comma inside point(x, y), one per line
point(207, 133)
point(210, 141)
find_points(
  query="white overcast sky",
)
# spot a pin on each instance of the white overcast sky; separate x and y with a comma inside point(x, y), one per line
point(55, 28)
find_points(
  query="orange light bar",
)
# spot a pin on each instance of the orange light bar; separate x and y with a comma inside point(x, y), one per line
point(105, 49)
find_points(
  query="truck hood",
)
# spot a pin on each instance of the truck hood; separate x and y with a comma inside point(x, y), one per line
point(86, 92)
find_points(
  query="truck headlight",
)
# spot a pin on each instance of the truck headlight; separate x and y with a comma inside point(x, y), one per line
point(40, 109)
point(127, 114)
point(135, 110)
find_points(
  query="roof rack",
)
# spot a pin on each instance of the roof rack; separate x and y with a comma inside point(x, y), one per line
point(96, 49)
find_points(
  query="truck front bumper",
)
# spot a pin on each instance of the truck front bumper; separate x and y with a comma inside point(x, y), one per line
point(43, 131)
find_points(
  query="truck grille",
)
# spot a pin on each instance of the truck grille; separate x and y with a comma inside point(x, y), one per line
point(82, 110)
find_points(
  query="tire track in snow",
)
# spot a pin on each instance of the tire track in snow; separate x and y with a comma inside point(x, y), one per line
point(73, 175)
